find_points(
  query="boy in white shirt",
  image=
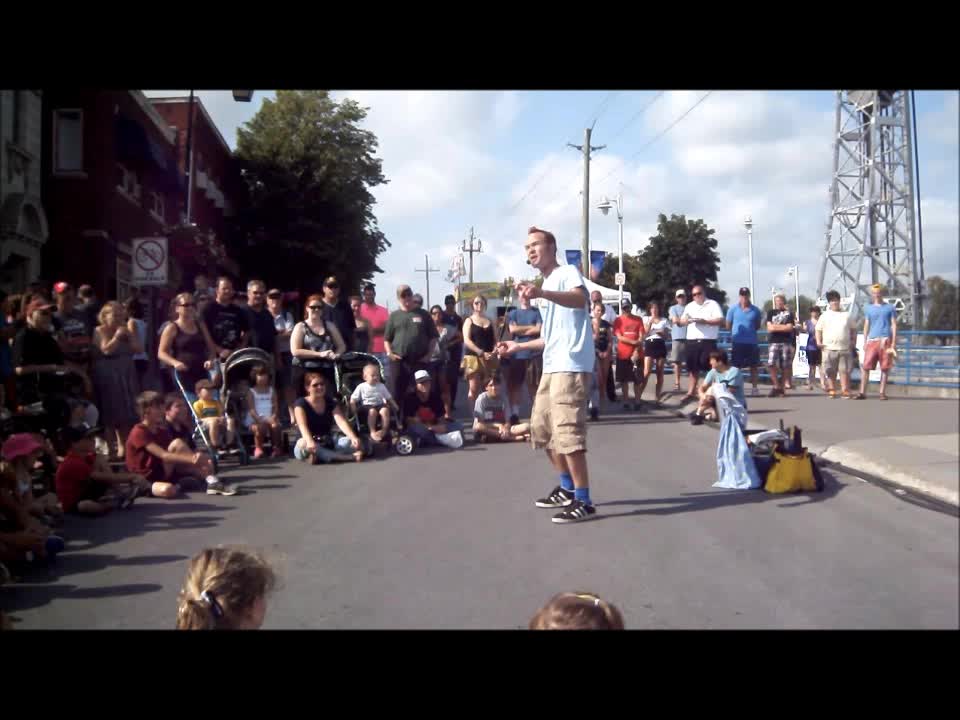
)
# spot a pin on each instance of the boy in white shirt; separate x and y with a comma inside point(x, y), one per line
point(374, 399)
point(837, 336)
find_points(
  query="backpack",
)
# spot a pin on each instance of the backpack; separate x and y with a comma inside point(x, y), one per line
point(793, 473)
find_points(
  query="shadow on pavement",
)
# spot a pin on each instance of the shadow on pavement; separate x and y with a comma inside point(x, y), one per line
point(25, 598)
point(719, 498)
point(910, 497)
point(251, 489)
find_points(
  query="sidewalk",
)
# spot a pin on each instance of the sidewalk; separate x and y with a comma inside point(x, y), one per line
point(913, 443)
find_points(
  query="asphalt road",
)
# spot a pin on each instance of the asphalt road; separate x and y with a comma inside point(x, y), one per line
point(451, 539)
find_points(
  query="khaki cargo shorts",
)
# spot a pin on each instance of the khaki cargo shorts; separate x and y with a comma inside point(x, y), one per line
point(558, 420)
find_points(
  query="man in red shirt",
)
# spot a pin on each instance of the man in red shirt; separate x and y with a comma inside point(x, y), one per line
point(85, 483)
point(629, 331)
point(376, 316)
point(166, 462)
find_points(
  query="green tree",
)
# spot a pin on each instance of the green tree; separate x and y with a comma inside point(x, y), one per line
point(307, 169)
point(683, 253)
point(944, 306)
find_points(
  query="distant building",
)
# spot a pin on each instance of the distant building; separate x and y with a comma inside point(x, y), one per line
point(23, 219)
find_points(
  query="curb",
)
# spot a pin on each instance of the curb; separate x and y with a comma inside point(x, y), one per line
point(856, 464)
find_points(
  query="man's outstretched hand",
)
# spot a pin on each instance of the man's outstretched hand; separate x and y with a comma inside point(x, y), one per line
point(528, 290)
point(506, 348)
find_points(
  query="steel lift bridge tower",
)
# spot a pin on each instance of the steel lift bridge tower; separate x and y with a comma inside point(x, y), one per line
point(871, 230)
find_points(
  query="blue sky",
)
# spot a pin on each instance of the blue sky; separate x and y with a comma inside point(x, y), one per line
point(457, 159)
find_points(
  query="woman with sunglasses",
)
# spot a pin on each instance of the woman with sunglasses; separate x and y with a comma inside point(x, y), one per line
point(186, 345)
point(314, 344)
point(479, 360)
point(316, 414)
point(440, 357)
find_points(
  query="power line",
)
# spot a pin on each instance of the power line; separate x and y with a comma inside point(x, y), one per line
point(636, 116)
point(603, 102)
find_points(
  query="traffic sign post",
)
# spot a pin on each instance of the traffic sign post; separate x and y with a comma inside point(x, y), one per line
point(620, 279)
point(150, 261)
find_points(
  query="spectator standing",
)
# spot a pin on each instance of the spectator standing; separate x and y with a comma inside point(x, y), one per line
point(678, 336)
point(114, 375)
point(376, 317)
point(479, 339)
point(743, 321)
point(361, 328)
point(814, 355)
point(654, 349)
point(603, 349)
point(836, 336)
point(879, 340)
point(780, 325)
point(629, 331)
point(228, 323)
point(75, 332)
point(137, 327)
point(88, 303)
point(410, 339)
point(440, 358)
point(702, 317)
point(454, 346)
point(315, 344)
point(283, 324)
point(263, 327)
point(186, 346)
point(337, 311)
point(525, 366)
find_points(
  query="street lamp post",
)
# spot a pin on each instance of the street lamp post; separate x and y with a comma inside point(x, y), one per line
point(794, 272)
point(604, 207)
point(748, 224)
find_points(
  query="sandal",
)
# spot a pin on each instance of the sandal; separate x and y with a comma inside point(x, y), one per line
point(883, 396)
point(860, 396)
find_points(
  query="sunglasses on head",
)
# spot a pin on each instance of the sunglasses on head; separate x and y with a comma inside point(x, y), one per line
point(332, 286)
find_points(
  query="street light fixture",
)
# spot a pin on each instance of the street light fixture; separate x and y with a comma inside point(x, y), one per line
point(243, 95)
point(605, 206)
point(748, 224)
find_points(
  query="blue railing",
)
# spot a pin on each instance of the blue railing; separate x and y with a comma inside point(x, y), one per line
point(920, 362)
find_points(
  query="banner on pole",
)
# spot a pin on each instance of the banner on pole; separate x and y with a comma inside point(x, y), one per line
point(574, 257)
point(596, 264)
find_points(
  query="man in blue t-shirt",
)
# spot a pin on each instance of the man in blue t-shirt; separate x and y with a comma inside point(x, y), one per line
point(723, 375)
point(743, 321)
point(525, 365)
point(879, 340)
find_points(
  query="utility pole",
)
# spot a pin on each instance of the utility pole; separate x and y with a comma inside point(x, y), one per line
point(426, 273)
point(471, 249)
point(586, 149)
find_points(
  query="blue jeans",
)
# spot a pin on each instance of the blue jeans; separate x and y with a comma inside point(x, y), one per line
point(341, 447)
point(427, 437)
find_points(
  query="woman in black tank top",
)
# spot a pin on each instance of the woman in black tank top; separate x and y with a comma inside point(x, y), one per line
point(479, 361)
point(185, 344)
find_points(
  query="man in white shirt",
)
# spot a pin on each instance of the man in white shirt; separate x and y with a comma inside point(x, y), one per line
point(837, 336)
point(558, 420)
point(702, 318)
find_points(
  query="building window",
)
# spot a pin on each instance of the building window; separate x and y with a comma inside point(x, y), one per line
point(68, 141)
point(158, 207)
point(127, 182)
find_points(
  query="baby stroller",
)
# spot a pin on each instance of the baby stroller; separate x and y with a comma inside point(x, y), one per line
point(200, 430)
point(235, 375)
point(348, 373)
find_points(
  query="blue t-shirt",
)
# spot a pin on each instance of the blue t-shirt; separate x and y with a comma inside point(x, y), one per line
point(677, 332)
point(879, 317)
point(733, 379)
point(519, 316)
point(567, 332)
point(744, 324)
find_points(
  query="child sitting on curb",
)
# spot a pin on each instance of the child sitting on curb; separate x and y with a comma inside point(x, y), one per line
point(86, 485)
point(490, 417)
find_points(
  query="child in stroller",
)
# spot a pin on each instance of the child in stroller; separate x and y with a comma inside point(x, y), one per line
point(261, 417)
point(372, 402)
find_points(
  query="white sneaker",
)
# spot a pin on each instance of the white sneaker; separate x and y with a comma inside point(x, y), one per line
point(452, 440)
point(755, 392)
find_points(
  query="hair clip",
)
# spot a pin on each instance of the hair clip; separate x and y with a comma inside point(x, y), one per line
point(211, 600)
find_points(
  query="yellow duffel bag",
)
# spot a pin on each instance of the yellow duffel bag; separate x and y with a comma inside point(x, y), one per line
point(793, 473)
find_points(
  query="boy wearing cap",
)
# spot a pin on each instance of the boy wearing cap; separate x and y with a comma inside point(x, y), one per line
point(85, 483)
point(880, 340)
point(678, 336)
point(743, 321)
point(423, 411)
point(628, 329)
point(75, 331)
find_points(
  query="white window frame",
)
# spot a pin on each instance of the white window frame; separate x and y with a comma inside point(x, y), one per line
point(55, 144)
point(131, 188)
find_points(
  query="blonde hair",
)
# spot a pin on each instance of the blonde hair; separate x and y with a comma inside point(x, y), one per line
point(112, 306)
point(577, 611)
point(482, 298)
point(221, 588)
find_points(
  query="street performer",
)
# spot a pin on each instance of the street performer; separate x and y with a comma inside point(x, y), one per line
point(558, 419)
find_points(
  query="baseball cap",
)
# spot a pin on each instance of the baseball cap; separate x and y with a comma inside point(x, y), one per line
point(331, 282)
point(744, 291)
point(421, 376)
point(76, 433)
point(18, 445)
point(274, 293)
point(61, 287)
point(680, 292)
point(626, 303)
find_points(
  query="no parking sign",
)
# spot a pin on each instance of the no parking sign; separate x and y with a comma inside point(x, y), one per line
point(150, 261)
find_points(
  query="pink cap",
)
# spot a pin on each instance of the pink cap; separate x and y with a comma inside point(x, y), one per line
point(20, 444)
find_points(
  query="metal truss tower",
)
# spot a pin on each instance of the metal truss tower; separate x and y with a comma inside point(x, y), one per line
point(871, 231)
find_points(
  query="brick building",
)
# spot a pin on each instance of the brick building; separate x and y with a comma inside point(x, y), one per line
point(110, 175)
point(216, 178)
point(23, 220)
